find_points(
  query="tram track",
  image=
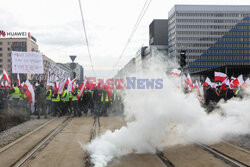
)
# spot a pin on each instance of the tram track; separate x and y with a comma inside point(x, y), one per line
point(224, 157)
point(41, 144)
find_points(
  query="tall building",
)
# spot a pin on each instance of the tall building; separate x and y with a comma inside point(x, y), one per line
point(212, 35)
point(158, 32)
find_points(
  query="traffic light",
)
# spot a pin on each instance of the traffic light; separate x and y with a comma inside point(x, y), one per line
point(183, 58)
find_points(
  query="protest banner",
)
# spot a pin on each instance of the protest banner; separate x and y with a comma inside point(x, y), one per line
point(27, 62)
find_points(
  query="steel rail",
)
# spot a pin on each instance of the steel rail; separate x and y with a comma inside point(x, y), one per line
point(36, 148)
point(226, 158)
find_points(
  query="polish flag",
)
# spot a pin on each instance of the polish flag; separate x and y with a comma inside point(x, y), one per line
point(61, 86)
point(196, 86)
point(219, 76)
point(175, 72)
point(2, 83)
point(6, 84)
point(189, 81)
point(240, 80)
point(232, 79)
point(207, 82)
point(82, 87)
point(18, 80)
point(70, 85)
point(246, 83)
point(225, 83)
point(5, 76)
point(56, 86)
point(22, 85)
point(237, 81)
point(29, 92)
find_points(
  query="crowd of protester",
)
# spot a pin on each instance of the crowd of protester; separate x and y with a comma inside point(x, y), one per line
point(48, 101)
point(223, 89)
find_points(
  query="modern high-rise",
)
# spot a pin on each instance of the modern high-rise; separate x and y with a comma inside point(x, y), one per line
point(212, 35)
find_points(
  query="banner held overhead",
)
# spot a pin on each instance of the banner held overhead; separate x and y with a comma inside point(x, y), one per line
point(27, 62)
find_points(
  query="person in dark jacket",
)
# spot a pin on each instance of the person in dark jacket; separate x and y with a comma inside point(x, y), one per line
point(97, 102)
point(87, 101)
point(40, 94)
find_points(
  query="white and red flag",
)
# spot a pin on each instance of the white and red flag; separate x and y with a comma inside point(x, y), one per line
point(61, 86)
point(189, 81)
point(5, 76)
point(22, 85)
point(18, 80)
point(29, 92)
point(82, 87)
point(6, 84)
point(240, 80)
point(207, 82)
point(219, 76)
point(236, 81)
point(246, 83)
point(175, 72)
point(70, 85)
point(56, 86)
point(2, 83)
point(225, 83)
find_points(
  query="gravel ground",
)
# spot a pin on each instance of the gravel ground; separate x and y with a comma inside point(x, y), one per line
point(241, 141)
point(15, 132)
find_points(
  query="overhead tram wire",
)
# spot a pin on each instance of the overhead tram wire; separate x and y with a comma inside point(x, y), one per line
point(142, 13)
point(86, 37)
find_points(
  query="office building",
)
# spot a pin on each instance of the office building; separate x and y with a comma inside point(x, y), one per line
point(212, 35)
point(158, 32)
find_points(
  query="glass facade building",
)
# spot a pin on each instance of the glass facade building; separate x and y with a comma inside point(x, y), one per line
point(212, 35)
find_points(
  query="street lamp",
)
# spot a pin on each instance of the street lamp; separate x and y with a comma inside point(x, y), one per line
point(73, 65)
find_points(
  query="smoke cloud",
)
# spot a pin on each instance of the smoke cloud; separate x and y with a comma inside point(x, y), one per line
point(157, 119)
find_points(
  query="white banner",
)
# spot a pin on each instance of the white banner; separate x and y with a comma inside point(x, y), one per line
point(27, 62)
point(56, 74)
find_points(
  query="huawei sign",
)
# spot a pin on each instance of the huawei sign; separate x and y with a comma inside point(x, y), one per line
point(2, 33)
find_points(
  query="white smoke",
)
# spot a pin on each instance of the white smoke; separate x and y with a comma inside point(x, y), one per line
point(166, 117)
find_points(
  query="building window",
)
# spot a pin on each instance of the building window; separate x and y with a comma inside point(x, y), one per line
point(1, 49)
point(9, 66)
point(1, 55)
point(1, 66)
point(9, 54)
point(9, 43)
point(1, 43)
point(1, 60)
point(9, 60)
point(8, 49)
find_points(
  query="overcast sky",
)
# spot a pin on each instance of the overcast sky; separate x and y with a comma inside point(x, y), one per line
point(57, 26)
